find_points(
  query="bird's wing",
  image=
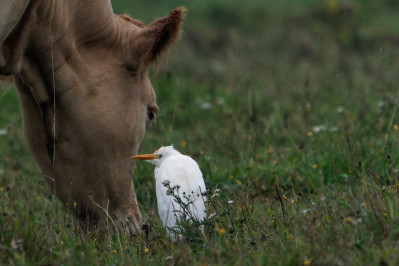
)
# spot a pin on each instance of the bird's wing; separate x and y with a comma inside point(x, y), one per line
point(183, 171)
point(169, 210)
point(165, 205)
point(197, 187)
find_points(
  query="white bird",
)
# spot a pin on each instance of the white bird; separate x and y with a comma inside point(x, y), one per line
point(183, 174)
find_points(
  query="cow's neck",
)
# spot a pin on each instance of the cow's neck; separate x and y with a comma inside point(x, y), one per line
point(49, 30)
point(43, 51)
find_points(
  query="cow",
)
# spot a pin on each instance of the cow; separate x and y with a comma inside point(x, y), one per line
point(81, 72)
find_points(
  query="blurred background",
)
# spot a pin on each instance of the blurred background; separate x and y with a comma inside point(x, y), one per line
point(249, 80)
point(292, 97)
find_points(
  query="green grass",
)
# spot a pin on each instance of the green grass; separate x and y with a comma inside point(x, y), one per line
point(244, 93)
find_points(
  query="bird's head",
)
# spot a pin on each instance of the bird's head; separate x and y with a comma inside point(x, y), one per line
point(158, 156)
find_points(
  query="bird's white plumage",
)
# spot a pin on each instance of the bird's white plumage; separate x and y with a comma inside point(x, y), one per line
point(179, 170)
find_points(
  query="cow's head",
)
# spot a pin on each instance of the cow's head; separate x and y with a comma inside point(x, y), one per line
point(87, 100)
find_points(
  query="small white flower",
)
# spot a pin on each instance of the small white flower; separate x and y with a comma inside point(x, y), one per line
point(220, 101)
point(3, 132)
point(340, 109)
point(212, 215)
point(215, 195)
point(317, 129)
point(333, 129)
point(356, 221)
point(206, 105)
point(207, 157)
point(230, 202)
point(16, 243)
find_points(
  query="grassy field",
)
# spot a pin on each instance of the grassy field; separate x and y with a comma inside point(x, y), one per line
point(290, 109)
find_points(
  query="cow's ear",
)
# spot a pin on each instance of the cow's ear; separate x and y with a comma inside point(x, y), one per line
point(159, 35)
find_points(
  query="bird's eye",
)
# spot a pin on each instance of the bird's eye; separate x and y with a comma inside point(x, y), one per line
point(160, 156)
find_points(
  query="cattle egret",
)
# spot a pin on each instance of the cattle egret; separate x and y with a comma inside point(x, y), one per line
point(175, 170)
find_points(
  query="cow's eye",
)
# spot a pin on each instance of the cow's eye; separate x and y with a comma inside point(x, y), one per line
point(152, 113)
point(132, 70)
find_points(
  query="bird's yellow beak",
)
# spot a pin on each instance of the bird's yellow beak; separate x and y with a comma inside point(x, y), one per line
point(145, 157)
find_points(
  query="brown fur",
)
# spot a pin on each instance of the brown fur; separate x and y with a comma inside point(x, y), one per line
point(160, 34)
point(132, 20)
point(81, 74)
